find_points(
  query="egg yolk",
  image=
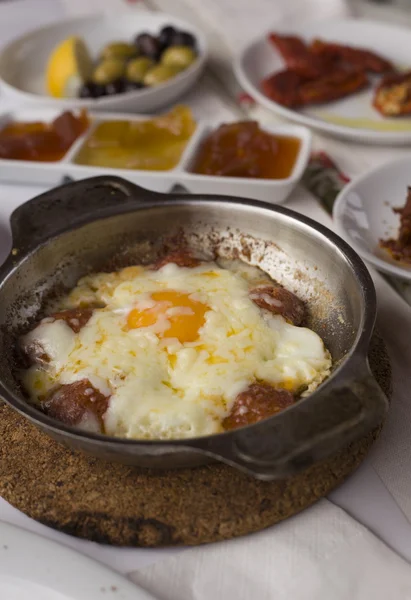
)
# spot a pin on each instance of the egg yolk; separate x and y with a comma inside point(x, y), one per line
point(183, 325)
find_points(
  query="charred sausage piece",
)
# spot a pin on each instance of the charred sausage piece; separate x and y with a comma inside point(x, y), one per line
point(283, 87)
point(400, 248)
point(76, 404)
point(33, 344)
point(75, 318)
point(357, 57)
point(259, 401)
point(298, 57)
point(291, 89)
point(33, 353)
point(392, 96)
point(331, 86)
point(404, 236)
point(279, 301)
point(182, 258)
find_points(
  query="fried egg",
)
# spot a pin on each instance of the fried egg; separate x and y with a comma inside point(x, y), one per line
point(173, 348)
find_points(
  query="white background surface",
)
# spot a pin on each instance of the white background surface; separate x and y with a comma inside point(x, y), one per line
point(364, 496)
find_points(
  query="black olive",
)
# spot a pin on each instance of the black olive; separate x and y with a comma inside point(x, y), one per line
point(99, 90)
point(87, 90)
point(166, 35)
point(130, 86)
point(148, 45)
point(183, 38)
point(115, 87)
point(91, 90)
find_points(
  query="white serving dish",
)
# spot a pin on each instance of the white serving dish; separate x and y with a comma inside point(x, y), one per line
point(352, 118)
point(274, 191)
point(36, 568)
point(363, 213)
point(23, 61)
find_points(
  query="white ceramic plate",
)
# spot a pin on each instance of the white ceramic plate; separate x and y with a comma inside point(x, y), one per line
point(353, 117)
point(274, 191)
point(23, 61)
point(363, 213)
point(35, 568)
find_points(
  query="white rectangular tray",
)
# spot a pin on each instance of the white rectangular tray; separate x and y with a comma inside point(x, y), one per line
point(51, 173)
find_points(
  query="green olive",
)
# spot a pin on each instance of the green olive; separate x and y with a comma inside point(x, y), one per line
point(108, 70)
point(183, 56)
point(137, 68)
point(119, 50)
point(159, 74)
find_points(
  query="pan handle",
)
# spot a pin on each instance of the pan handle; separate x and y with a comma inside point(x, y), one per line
point(77, 202)
point(310, 431)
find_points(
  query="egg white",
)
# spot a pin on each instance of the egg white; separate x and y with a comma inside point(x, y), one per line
point(160, 388)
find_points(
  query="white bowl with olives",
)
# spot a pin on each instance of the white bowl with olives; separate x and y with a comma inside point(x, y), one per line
point(140, 61)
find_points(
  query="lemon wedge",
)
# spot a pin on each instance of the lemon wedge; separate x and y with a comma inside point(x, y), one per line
point(68, 67)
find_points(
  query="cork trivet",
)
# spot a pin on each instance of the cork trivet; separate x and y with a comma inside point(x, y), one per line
point(119, 505)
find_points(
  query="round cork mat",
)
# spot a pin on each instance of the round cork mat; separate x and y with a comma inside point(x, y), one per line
point(125, 506)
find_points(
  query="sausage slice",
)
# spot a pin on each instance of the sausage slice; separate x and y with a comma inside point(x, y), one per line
point(182, 258)
point(259, 401)
point(77, 402)
point(35, 345)
point(279, 301)
point(75, 318)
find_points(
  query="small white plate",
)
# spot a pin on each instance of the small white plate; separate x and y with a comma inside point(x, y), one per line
point(363, 213)
point(35, 568)
point(353, 117)
point(273, 191)
point(23, 61)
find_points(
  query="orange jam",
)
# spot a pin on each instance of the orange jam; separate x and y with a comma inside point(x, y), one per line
point(242, 149)
point(38, 141)
point(153, 145)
